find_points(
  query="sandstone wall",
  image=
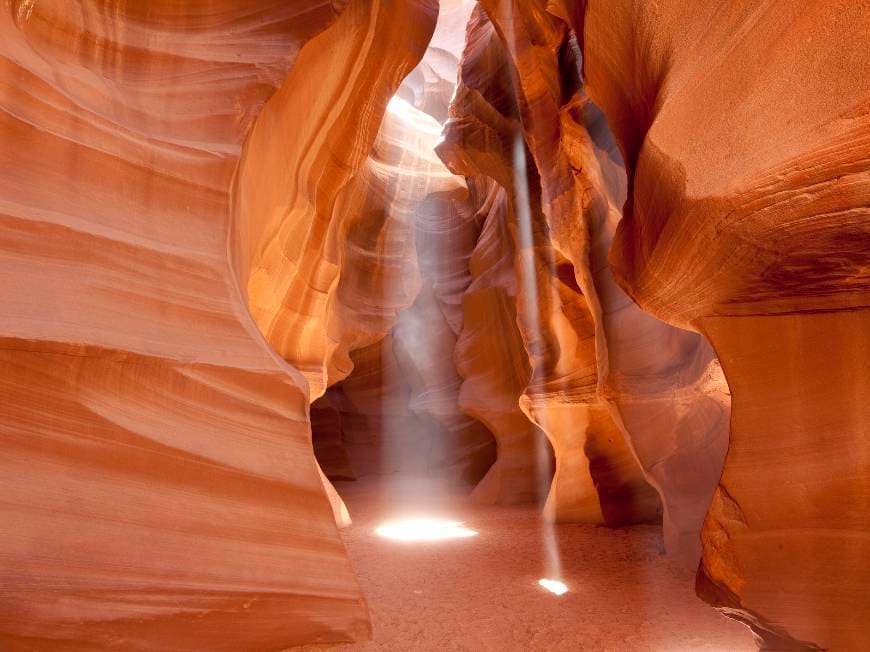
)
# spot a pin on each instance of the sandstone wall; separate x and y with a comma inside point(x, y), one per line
point(490, 133)
point(746, 134)
point(159, 488)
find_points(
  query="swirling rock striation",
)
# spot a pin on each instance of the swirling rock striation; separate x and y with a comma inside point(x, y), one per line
point(599, 359)
point(746, 136)
point(327, 189)
point(596, 478)
point(400, 403)
point(327, 194)
point(159, 487)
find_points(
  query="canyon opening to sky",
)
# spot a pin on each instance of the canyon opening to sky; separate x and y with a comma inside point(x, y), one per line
point(414, 325)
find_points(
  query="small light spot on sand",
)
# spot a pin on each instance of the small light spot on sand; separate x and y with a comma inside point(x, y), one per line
point(554, 586)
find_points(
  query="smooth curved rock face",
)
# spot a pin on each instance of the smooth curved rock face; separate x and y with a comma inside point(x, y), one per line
point(660, 386)
point(495, 370)
point(326, 194)
point(596, 478)
point(663, 384)
point(429, 87)
point(159, 490)
point(746, 135)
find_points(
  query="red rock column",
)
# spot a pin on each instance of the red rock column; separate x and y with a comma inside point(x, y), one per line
point(504, 123)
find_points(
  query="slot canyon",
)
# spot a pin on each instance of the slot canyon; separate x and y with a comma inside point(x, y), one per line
point(414, 325)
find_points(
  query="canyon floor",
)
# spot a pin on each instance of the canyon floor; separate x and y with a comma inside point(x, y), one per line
point(482, 593)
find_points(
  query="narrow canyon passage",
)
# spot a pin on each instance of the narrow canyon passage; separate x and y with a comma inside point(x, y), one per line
point(476, 405)
point(434, 325)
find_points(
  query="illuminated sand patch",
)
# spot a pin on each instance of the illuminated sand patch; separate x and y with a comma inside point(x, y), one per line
point(424, 529)
point(553, 586)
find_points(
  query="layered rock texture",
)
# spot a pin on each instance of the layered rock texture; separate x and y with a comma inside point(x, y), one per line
point(160, 491)
point(746, 136)
point(504, 301)
point(337, 251)
point(597, 479)
point(326, 194)
point(608, 255)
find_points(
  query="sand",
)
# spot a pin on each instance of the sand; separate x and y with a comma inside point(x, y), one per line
point(482, 593)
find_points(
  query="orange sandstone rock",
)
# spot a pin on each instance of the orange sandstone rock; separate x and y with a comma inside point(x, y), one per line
point(400, 403)
point(484, 136)
point(326, 194)
point(492, 361)
point(746, 137)
point(159, 490)
point(635, 364)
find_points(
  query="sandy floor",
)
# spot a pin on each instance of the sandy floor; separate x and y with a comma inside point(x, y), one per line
point(481, 593)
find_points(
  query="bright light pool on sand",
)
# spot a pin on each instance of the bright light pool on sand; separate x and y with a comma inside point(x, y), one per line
point(424, 529)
